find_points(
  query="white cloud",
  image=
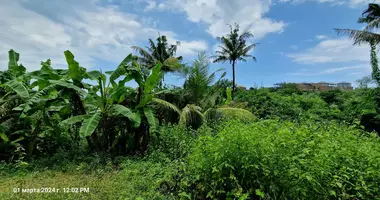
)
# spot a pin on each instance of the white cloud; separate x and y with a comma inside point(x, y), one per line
point(91, 32)
point(332, 51)
point(216, 14)
point(321, 37)
point(189, 48)
point(363, 68)
point(151, 5)
point(354, 3)
point(351, 3)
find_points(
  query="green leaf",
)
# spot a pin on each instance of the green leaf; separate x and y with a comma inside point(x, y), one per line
point(259, 193)
point(122, 68)
point(19, 108)
point(138, 120)
point(75, 71)
point(118, 110)
point(37, 97)
point(151, 119)
point(189, 114)
point(13, 59)
point(4, 137)
point(90, 124)
point(333, 193)
point(152, 79)
point(19, 88)
point(164, 104)
point(145, 100)
point(15, 69)
point(73, 120)
point(68, 85)
point(17, 140)
point(95, 75)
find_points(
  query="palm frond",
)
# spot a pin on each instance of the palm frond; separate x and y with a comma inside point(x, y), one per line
point(222, 59)
point(246, 35)
point(144, 54)
point(165, 105)
point(190, 114)
point(358, 36)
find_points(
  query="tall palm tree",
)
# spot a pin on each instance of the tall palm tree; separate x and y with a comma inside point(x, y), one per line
point(371, 17)
point(160, 52)
point(234, 48)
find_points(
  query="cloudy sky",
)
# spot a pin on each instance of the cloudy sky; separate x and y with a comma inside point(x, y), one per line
point(296, 38)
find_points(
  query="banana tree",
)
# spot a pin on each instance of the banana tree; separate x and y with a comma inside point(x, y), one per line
point(144, 102)
point(31, 108)
point(101, 114)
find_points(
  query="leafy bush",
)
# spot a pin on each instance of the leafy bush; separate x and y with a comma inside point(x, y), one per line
point(174, 142)
point(273, 160)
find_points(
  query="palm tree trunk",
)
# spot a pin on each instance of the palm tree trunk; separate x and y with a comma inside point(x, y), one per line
point(162, 81)
point(233, 79)
point(374, 63)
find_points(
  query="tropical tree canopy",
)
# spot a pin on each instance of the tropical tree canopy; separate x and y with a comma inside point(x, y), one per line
point(371, 17)
point(159, 52)
point(233, 48)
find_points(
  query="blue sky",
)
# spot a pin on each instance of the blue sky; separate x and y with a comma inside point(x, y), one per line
point(296, 38)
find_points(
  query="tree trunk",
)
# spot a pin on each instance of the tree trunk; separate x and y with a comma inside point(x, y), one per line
point(374, 63)
point(33, 140)
point(233, 79)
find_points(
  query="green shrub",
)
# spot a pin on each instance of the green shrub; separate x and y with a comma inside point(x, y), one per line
point(273, 160)
point(174, 142)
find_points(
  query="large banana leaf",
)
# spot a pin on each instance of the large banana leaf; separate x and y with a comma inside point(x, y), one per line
point(19, 88)
point(90, 124)
point(73, 120)
point(36, 98)
point(117, 110)
point(151, 119)
point(75, 71)
point(122, 68)
point(15, 69)
point(95, 75)
point(68, 85)
point(152, 79)
point(150, 83)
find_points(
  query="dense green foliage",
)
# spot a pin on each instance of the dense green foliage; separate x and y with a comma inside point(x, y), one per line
point(358, 107)
point(207, 139)
point(275, 160)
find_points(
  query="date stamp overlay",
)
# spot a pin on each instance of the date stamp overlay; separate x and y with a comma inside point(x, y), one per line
point(52, 190)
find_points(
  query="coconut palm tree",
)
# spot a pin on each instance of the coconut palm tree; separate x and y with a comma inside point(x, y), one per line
point(371, 17)
point(203, 96)
point(160, 52)
point(234, 48)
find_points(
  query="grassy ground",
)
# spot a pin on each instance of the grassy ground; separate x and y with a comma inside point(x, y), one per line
point(130, 179)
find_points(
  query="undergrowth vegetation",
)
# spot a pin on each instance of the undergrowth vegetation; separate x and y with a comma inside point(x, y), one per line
point(208, 139)
point(282, 160)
